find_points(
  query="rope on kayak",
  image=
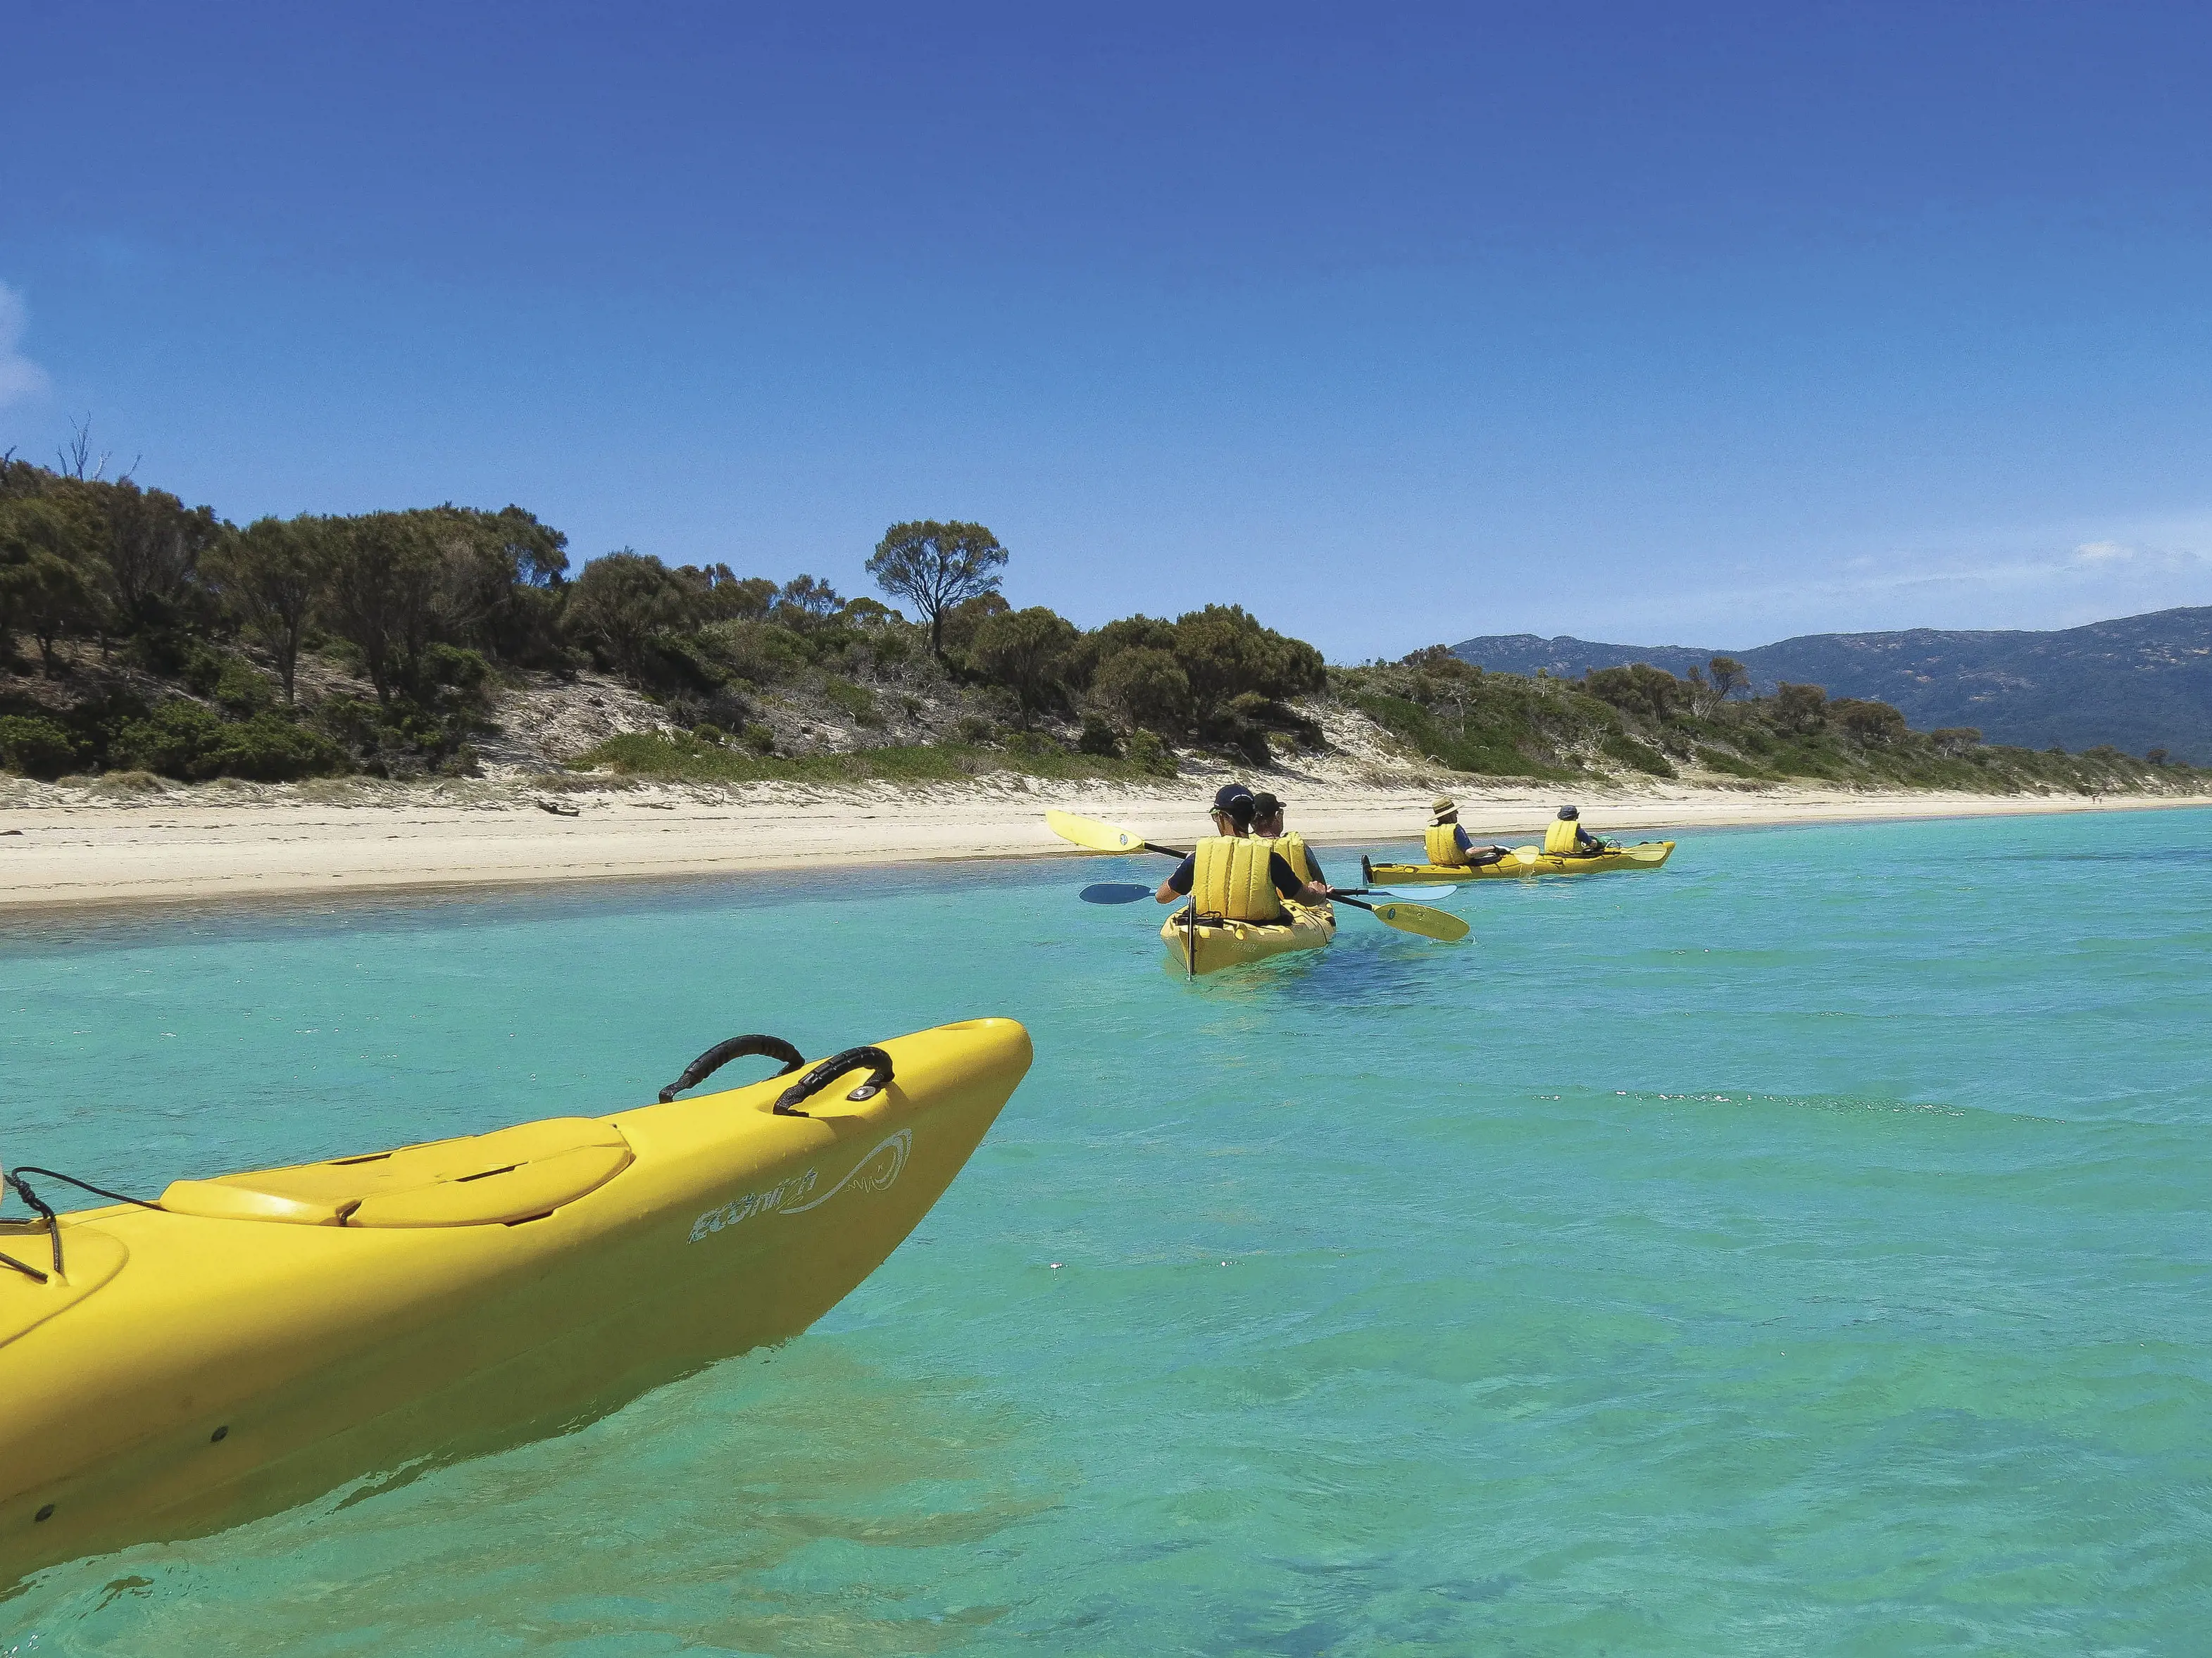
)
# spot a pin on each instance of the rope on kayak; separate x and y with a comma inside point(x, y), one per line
point(880, 1077)
point(16, 1182)
point(735, 1048)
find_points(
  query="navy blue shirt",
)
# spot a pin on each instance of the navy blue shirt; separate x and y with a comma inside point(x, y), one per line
point(1475, 859)
point(1287, 884)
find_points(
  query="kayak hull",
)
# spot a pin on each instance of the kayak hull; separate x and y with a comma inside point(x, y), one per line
point(227, 1368)
point(1649, 854)
point(1234, 944)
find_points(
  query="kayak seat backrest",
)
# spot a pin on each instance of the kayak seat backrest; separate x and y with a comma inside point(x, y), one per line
point(486, 1180)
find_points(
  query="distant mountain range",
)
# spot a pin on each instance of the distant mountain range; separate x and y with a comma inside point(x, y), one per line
point(2143, 681)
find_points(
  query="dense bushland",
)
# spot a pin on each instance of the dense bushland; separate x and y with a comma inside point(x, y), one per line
point(164, 639)
point(138, 633)
point(1643, 720)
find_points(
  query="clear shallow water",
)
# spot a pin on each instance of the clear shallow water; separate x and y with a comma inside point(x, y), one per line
point(1801, 1248)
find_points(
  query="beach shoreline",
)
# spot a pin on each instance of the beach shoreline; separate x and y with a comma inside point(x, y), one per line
point(190, 847)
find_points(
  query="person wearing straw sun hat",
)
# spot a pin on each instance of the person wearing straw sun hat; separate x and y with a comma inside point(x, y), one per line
point(1449, 846)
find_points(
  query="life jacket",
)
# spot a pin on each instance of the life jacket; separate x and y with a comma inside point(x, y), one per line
point(1559, 837)
point(1230, 879)
point(1292, 846)
point(1443, 843)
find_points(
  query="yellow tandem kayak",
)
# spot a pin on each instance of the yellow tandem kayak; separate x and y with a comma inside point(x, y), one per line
point(1523, 861)
point(251, 1341)
point(1220, 944)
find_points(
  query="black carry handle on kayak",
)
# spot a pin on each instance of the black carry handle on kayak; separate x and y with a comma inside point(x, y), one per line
point(736, 1047)
point(837, 1065)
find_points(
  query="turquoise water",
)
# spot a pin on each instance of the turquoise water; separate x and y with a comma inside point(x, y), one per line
point(1800, 1249)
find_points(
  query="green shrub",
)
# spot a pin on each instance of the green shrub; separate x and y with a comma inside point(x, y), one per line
point(1869, 721)
point(1727, 765)
point(1027, 652)
point(1034, 745)
point(186, 741)
point(758, 737)
point(706, 731)
point(1098, 737)
point(1146, 685)
point(36, 747)
point(974, 728)
point(224, 677)
point(764, 653)
point(857, 701)
point(1148, 754)
point(1640, 757)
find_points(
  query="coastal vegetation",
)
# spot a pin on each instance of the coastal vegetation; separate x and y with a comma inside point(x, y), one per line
point(1642, 720)
point(141, 636)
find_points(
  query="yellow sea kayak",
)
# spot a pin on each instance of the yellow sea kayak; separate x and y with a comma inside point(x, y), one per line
point(1229, 943)
point(257, 1339)
point(1523, 861)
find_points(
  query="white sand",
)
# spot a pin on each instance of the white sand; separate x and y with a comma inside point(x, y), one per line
point(189, 845)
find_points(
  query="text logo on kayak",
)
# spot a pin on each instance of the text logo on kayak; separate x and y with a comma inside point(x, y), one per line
point(793, 1196)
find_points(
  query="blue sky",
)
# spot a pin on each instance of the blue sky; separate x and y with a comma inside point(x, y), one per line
point(1703, 325)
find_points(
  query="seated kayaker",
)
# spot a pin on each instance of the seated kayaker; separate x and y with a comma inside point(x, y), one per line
point(1232, 874)
point(1565, 837)
point(1447, 844)
point(1267, 823)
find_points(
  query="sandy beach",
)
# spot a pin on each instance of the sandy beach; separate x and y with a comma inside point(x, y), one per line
point(228, 842)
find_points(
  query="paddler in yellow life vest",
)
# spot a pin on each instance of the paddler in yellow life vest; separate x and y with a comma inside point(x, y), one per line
point(1268, 825)
point(1565, 837)
point(1447, 843)
point(1232, 874)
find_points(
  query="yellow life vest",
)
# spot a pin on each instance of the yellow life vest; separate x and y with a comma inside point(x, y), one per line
point(1292, 846)
point(1559, 838)
point(1443, 845)
point(1231, 881)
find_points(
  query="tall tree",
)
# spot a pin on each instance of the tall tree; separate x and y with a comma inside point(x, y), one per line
point(269, 575)
point(936, 567)
point(381, 592)
point(49, 572)
point(154, 547)
point(624, 601)
point(1027, 652)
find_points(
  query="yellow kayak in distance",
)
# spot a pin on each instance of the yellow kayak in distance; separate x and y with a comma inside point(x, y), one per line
point(249, 1342)
point(1522, 861)
point(1222, 944)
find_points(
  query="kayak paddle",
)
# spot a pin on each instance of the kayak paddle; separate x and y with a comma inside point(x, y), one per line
point(1113, 892)
point(1095, 836)
point(1436, 924)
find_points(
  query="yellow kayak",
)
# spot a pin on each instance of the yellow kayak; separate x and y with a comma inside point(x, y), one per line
point(256, 1340)
point(1230, 944)
point(1523, 861)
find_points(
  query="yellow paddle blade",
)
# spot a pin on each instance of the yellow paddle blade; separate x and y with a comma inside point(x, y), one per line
point(1525, 855)
point(1650, 852)
point(1089, 833)
point(1420, 918)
